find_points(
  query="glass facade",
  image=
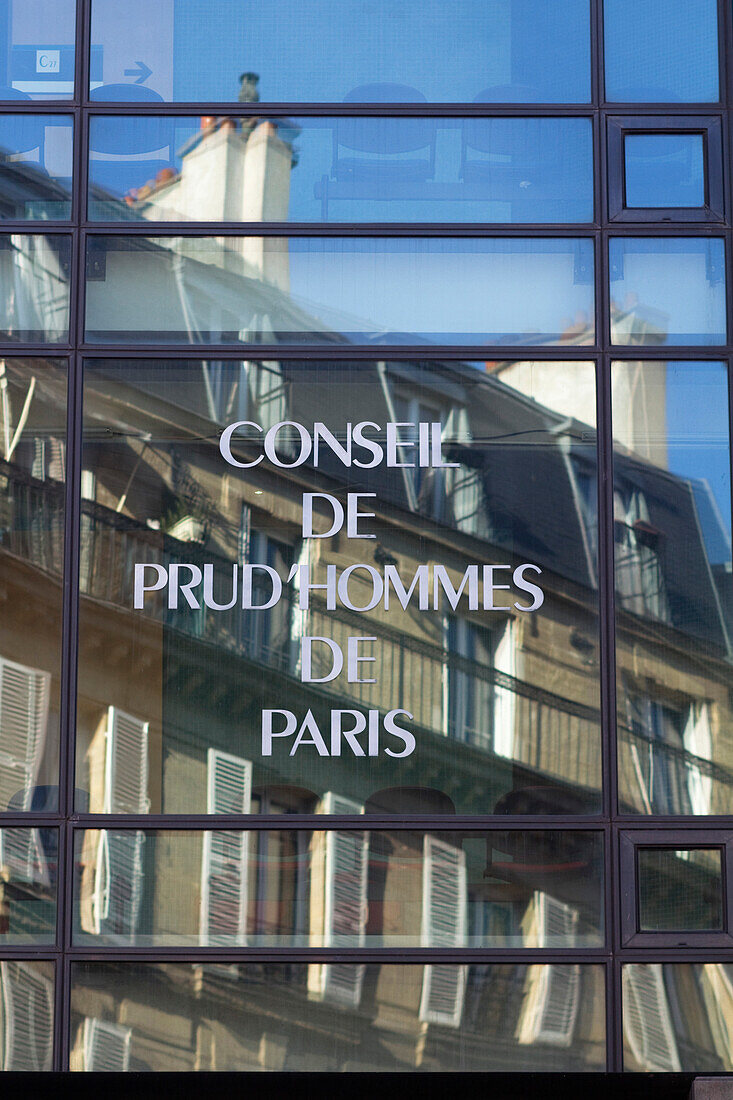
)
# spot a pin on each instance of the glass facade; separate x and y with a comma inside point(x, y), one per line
point(366, 622)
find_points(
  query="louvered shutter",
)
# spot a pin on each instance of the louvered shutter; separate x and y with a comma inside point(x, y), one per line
point(126, 764)
point(697, 739)
point(345, 904)
point(117, 890)
point(106, 1046)
point(27, 1017)
point(225, 853)
point(443, 925)
point(552, 1013)
point(505, 660)
point(647, 1022)
point(24, 703)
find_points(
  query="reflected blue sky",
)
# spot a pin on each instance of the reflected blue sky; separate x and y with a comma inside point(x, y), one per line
point(697, 425)
point(505, 50)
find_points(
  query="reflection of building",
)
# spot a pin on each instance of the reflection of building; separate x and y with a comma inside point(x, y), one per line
point(212, 855)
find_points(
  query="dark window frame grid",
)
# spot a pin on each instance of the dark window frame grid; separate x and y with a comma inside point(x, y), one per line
point(709, 127)
point(610, 821)
point(630, 843)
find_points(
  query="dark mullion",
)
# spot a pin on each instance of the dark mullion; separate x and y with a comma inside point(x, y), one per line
point(396, 353)
point(480, 231)
point(393, 110)
point(339, 110)
point(422, 230)
point(371, 823)
point(399, 956)
point(326, 822)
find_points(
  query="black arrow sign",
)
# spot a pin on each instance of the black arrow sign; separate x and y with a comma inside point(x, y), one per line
point(142, 72)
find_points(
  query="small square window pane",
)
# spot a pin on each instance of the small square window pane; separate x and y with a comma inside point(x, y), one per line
point(664, 170)
point(680, 889)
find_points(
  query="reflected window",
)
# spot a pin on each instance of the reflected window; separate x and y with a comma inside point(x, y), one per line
point(504, 51)
point(680, 890)
point(664, 170)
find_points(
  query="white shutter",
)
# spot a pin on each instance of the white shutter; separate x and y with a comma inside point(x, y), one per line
point(106, 1046)
point(504, 699)
point(24, 703)
point(126, 764)
point(647, 1022)
point(552, 1003)
point(225, 853)
point(697, 739)
point(345, 904)
point(443, 925)
point(27, 998)
point(118, 871)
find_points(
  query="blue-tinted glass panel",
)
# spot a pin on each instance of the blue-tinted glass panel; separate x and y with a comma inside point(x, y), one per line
point(661, 51)
point(664, 170)
point(322, 290)
point(342, 169)
point(488, 51)
point(37, 49)
point(667, 290)
point(674, 600)
point(34, 288)
point(36, 153)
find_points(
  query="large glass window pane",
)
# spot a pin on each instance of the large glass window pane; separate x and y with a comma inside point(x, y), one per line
point(359, 1017)
point(35, 167)
point(189, 290)
point(664, 170)
point(495, 51)
point(677, 1017)
point(37, 49)
point(661, 51)
point(680, 889)
point(473, 701)
point(32, 473)
point(27, 991)
point(667, 290)
point(341, 169)
point(672, 539)
point(34, 288)
point(339, 888)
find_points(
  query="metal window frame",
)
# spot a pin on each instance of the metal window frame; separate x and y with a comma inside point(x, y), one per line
point(614, 824)
point(709, 127)
point(631, 841)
